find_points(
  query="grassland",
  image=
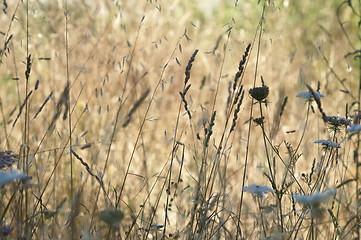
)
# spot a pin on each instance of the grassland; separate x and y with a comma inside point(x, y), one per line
point(180, 119)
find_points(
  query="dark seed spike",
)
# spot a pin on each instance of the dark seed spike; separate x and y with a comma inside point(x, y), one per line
point(236, 111)
point(37, 84)
point(187, 87)
point(229, 94)
point(346, 111)
point(283, 105)
point(189, 66)
point(42, 106)
point(318, 86)
point(209, 130)
point(28, 66)
point(241, 67)
point(86, 167)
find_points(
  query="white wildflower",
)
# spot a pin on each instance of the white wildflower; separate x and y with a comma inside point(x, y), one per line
point(156, 226)
point(316, 198)
point(309, 95)
point(337, 121)
point(328, 143)
point(354, 128)
point(258, 189)
point(9, 176)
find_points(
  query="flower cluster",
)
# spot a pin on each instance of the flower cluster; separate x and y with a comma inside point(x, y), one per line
point(328, 143)
point(6, 229)
point(337, 121)
point(354, 128)
point(7, 159)
point(9, 176)
point(309, 95)
point(259, 190)
point(112, 216)
point(316, 198)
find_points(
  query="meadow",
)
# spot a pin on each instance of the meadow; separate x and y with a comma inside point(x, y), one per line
point(152, 119)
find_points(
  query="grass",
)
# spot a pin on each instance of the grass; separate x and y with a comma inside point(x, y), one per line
point(180, 120)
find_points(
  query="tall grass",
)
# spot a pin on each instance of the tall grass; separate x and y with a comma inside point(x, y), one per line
point(179, 120)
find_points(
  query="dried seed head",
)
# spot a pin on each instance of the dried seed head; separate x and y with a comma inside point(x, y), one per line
point(259, 120)
point(112, 217)
point(259, 93)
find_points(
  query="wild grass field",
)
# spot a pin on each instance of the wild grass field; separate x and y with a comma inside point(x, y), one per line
point(180, 119)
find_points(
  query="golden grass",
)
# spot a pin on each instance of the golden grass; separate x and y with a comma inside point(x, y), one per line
point(139, 165)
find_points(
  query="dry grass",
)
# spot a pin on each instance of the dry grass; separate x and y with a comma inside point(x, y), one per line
point(179, 119)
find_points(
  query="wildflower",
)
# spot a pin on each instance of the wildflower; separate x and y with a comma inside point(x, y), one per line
point(328, 143)
point(337, 121)
point(9, 176)
point(6, 229)
point(7, 159)
point(259, 93)
point(112, 217)
point(354, 128)
point(259, 190)
point(309, 95)
point(316, 198)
